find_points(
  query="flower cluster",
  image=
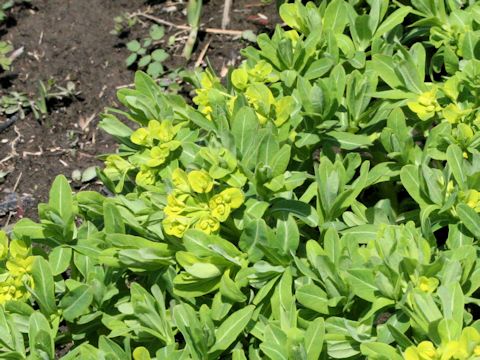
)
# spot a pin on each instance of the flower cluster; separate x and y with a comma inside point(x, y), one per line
point(196, 203)
point(426, 284)
point(16, 275)
point(426, 105)
point(157, 141)
point(471, 198)
point(467, 347)
point(210, 94)
point(262, 72)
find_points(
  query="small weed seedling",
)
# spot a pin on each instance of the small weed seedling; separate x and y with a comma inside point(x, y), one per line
point(145, 54)
point(5, 61)
point(14, 102)
point(123, 24)
point(50, 91)
point(5, 6)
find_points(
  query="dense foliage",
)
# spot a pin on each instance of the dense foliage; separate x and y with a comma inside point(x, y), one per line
point(323, 204)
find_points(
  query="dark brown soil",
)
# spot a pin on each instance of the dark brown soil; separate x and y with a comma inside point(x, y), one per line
point(70, 40)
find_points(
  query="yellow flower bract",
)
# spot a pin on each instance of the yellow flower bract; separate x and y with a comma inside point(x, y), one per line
point(196, 203)
point(467, 347)
point(14, 281)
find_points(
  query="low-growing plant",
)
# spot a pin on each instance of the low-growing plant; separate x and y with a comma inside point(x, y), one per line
point(51, 92)
point(5, 60)
point(14, 102)
point(146, 54)
point(323, 204)
point(18, 102)
point(5, 6)
point(123, 24)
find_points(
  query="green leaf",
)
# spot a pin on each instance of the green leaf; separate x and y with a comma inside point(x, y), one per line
point(280, 160)
point(43, 291)
point(244, 130)
point(254, 234)
point(157, 32)
point(76, 302)
point(133, 46)
point(231, 328)
point(455, 162)
point(384, 66)
point(159, 55)
point(411, 182)
point(113, 222)
point(362, 282)
point(130, 60)
point(41, 339)
point(394, 19)
point(379, 351)
point(288, 236)
point(350, 141)
point(155, 69)
point(335, 17)
point(144, 61)
point(189, 325)
point(469, 218)
point(313, 297)
point(29, 229)
point(299, 209)
point(453, 302)
point(314, 338)
point(230, 290)
point(61, 199)
point(59, 259)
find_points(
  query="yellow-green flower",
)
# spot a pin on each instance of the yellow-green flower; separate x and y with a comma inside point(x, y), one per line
point(262, 72)
point(158, 155)
point(116, 166)
point(233, 196)
point(208, 224)
point(220, 209)
point(180, 180)
point(465, 347)
point(426, 105)
point(19, 266)
point(176, 225)
point(476, 350)
point(163, 131)
point(454, 114)
point(454, 350)
point(195, 203)
point(175, 203)
point(293, 35)
point(427, 285)
point(423, 351)
point(159, 131)
point(145, 177)
point(240, 78)
point(283, 109)
point(140, 137)
point(3, 245)
point(200, 181)
point(471, 198)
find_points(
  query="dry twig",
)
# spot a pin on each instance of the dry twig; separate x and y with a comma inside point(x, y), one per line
point(186, 27)
point(226, 13)
point(13, 151)
point(202, 54)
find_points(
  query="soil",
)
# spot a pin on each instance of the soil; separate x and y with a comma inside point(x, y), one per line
point(70, 40)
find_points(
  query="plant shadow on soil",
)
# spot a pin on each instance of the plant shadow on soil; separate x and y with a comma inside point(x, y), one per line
point(70, 40)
